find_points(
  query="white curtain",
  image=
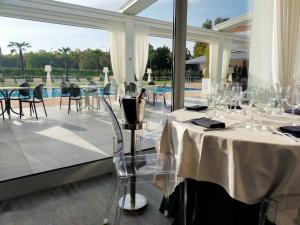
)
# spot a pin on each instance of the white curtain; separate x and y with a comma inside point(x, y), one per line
point(286, 41)
point(213, 61)
point(226, 57)
point(275, 40)
point(260, 57)
point(117, 54)
point(141, 51)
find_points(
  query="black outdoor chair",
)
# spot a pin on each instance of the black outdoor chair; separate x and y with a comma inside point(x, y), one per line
point(37, 98)
point(64, 92)
point(130, 88)
point(75, 95)
point(2, 98)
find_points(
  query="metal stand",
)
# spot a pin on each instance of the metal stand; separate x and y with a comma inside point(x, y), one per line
point(134, 203)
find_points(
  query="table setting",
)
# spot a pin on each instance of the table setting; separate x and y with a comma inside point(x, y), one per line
point(247, 142)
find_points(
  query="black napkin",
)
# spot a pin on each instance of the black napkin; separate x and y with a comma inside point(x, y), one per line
point(296, 112)
point(196, 107)
point(234, 107)
point(293, 130)
point(208, 123)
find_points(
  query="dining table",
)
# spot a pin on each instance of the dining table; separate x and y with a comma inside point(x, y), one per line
point(244, 163)
point(8, 91)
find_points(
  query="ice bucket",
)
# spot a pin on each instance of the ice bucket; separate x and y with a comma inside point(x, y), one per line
point(133, 110)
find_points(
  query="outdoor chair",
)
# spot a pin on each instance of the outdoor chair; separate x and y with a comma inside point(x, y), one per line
point(21, 94)
point(37, 80)
point(37, 97)
point(147, 166)
point(73, 80)
point(280, 210)
point(106, 92)
point(75, 95)
point(83, 80)
point(2, 98)
point(130, 88)
point(64, 92)
point(9, 81)
point(57, 80)
point(20, 80)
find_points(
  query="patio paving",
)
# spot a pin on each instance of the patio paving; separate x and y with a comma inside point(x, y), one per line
point(29, 146)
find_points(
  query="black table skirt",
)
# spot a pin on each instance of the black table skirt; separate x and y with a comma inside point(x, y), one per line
point(210, 204)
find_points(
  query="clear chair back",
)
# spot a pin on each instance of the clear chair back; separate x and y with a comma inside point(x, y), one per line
point(118, 149)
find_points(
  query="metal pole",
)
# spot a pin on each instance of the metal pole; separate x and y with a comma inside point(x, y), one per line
point(179, 52)
point(132, 179)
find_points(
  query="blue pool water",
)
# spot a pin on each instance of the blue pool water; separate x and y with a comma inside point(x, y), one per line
point(55, 92)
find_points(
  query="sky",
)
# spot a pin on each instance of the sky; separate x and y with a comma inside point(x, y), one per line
point(50, 37)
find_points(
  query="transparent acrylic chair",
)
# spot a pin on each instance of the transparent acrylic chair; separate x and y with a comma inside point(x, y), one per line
point(281, 210)
point(144, 167)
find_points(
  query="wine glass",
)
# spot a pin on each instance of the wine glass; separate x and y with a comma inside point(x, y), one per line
point(246, 100)
point(293, 100)
point(262, 102)
point(235, 93)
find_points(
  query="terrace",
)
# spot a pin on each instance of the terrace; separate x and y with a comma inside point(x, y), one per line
point(72, 153)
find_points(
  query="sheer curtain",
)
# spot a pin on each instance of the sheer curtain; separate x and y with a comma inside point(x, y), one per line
point(141, 51)
point(117, 54)
point(213, 61)
point(275, 40)
point(286, 41)
point(260, 57)
point(226, 57)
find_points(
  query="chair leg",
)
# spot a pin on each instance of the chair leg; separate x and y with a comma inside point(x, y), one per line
point(2, 111)
point(20, 109)
point(60, 102)
point(36, 116)
point(44, 108)
point(119, 210)
point(69, 107)
point(30, 108)
point(114, 184)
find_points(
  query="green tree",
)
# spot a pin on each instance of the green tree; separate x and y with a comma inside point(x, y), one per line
point(65, 51)
point(207, 24)
point(19, 47)
point(98, 54)
point(220, 20)
point(87, 60)
point(37, 59)
point(162, 58)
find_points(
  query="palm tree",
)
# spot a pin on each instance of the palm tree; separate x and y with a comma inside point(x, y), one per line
point(65, 52)
point(19, 47)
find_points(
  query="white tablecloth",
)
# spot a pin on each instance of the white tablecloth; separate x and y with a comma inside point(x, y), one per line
point(248, 164)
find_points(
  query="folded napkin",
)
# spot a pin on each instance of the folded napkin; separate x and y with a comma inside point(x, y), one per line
point(293, 130)
point(296, 112)
point(196, 107)
point(207, 123)
point(234, 107)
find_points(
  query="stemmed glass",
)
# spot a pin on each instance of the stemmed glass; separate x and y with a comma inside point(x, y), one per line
point(293, 100)
point(246, 100)
point(262, 102)
point(235, 94)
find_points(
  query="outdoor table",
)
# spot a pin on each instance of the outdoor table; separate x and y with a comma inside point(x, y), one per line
point(8, 92)
point(248, 164)
point(86, 89)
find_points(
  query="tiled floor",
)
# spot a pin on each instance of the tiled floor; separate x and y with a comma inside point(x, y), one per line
point(30, 146)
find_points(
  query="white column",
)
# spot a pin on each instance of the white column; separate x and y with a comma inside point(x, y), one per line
point(129, 50)
point(220, 60)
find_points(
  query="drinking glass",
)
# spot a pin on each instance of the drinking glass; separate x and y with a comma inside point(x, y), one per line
point(262, 102)
point(293, 100)
point(246, 100)
point(235, 93)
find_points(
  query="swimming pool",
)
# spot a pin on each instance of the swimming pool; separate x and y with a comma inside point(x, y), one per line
point(55, 92)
